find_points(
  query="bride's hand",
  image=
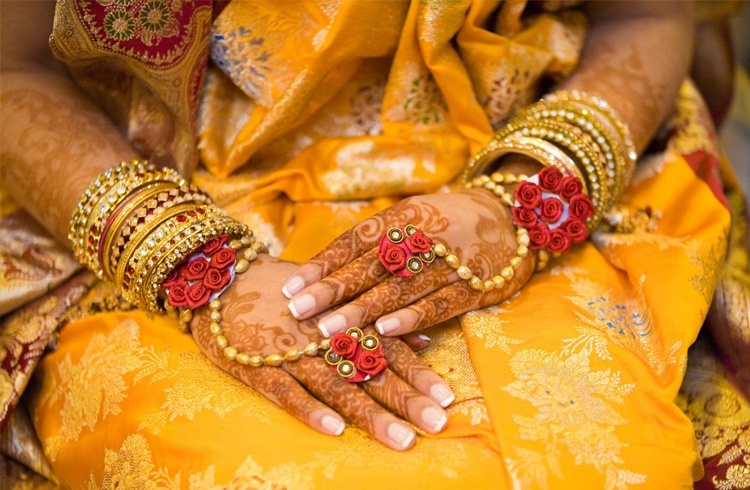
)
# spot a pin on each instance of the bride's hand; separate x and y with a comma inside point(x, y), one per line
point(256, 320)
point(473, 224)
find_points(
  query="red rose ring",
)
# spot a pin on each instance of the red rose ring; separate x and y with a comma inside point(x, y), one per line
point(356, 357)
point(405, 251)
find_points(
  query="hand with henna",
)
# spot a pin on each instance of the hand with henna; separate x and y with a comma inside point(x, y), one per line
point(473, 224)
point(255, 319)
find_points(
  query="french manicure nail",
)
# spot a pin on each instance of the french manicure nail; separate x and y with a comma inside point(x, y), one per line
point(424, 337)
point(401, 435)
point(434, 419)
point(442, 394)
point(301, 305)
point(332, 425)
point(293, 286)
point(332, 325)
point(388, 325)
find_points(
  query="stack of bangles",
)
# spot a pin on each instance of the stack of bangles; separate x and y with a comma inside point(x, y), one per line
point(167, 248)
point(588, 157)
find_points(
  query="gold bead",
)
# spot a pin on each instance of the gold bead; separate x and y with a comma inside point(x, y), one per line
point(499, 191)
point(543, 255)
point(476, 182)
point(507, 273)
point(326, 343)
point(311, 349)
point(498, 177)
point(250, 254)
point(243, 358)
point(186, 315)
point(464, 273)
point(499, 281)
point(476, 283)
point(183, 327)
point(215, 304)
point(522, 177)
point(440, 250)
point(489, 185)
point(524, 240)
point(292, 355)
point(274, 360)
point(241, 266)
point(235, 244)
point(215, 328)
point(516, 262)
point(259, 247)
point(222, 341)
point(522, 250)
point(510, 179)
point(508, 200)
point(255, 361)
point(484, 178)
point(489, 285)
point(215, 316)
point(248, 239)
point(230, 352)
point(452, 261)
point(540, 266)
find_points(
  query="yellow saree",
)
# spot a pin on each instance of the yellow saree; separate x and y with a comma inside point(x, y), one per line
point(345, 108)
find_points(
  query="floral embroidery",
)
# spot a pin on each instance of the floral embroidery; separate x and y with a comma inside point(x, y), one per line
point(486, 324)
point(424, 103)
point(119, 25)
point(94, 387)
point(574, 411)
point(244, 56)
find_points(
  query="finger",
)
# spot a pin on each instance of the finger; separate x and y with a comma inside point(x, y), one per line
point(416, 341)
point(274, 383)
point(352, 402)
point(281, 388)
point(344, 249)
point(345, 283)
point(395, 394)
point(439, 306)
point(393, 293)
point(404, 362)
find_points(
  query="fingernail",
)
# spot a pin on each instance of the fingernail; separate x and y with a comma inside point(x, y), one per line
point(301, 305)
point(403, 436)
point(332, 425)
point(434, 418)
point(424, 337)
point(332, 325)
point(293, 286)
point(442, 394)
point(388, 325)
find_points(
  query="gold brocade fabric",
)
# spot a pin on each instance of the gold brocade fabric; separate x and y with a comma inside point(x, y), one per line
point(315, 116)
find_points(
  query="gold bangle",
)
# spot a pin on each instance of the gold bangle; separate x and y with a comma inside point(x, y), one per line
point(602, 106)
point(579, 144)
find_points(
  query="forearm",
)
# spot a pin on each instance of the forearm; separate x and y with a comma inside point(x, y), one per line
point(636, 55)
point(54, 143)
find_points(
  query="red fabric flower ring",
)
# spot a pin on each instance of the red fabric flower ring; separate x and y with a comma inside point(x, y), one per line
point(356, 357)
point(554, 210)
point(405, 251)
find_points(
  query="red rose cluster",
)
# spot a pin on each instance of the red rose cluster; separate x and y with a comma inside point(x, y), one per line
point(193, 282)
point(364, 356)
point(405, 251)
point(539, 208)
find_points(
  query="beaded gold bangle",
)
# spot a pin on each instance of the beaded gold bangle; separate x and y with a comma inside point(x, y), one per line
point(496, 282)
point(151, 208)
point(602, 106)
point(589, 122)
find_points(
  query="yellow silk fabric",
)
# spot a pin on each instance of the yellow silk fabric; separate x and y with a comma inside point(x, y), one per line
point(569, 384)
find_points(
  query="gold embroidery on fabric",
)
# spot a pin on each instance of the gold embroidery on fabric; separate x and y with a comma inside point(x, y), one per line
point(574, 412)
point(690, 123)
point(622, 219)
point(448, 356)
point(720, 416)
point(96, 384)
point(354, 173)
point(133, 467)
point(707, 265)
point(529, 470)
point(474, 409)
point(198, 385)
point(626, 321)
point(487, 325)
